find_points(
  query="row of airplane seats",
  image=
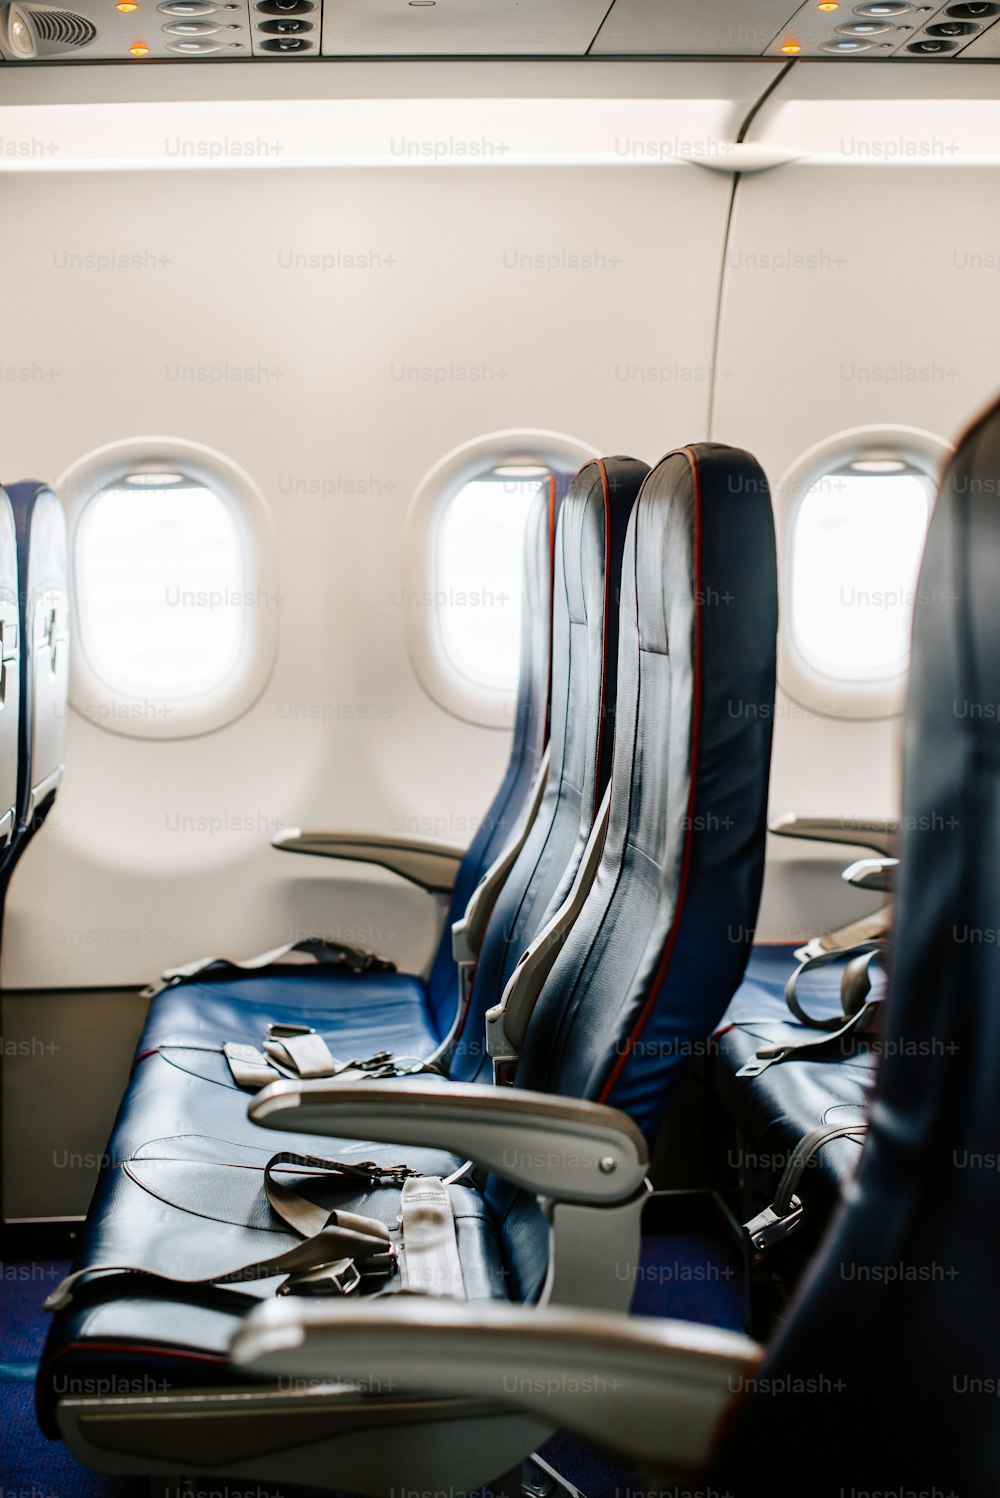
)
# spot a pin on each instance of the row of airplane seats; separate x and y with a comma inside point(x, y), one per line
point(602, 966)
point(881, 1378)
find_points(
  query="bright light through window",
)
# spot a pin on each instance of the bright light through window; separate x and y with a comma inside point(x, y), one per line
point(159, 575)
point(859, 537)
point(480, 557)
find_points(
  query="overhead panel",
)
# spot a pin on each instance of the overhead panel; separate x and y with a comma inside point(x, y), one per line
point(691, 28)
point(881, 29)
point(460, 28)
point(99, 30)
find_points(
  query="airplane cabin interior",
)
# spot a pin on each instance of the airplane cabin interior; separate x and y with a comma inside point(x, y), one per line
point(499, 760)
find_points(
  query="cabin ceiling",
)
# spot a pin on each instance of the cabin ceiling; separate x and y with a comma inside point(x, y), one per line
point(143, 31)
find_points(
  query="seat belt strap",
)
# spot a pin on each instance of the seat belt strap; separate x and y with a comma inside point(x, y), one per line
point(856, 1001)
point(784, 1216)
point(855, 985)
point(338, 1249)
point(314, 952)
point(796, 1050)
point(298, 1053)
point(430, 1263)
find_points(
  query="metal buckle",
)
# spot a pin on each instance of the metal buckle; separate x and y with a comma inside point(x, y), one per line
point(764, 1058)
point(768, 1228)
point(341, 1277)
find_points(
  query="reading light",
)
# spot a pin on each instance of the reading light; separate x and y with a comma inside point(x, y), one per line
point(19, 34)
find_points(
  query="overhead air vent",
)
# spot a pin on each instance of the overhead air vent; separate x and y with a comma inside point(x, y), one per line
point(45, 30)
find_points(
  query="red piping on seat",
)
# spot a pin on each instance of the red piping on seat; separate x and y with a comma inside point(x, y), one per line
point(604, 662)
point(552, 588)
point(671, 942)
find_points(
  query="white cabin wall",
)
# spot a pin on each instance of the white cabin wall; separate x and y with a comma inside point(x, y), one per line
point(114, 890)
point(890, 323)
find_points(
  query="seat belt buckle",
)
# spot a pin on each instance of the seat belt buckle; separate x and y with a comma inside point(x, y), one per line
point(341, 1277)
point(770, 1227)
point(278, 1031)
point(764, 1058)
point(498, 1046)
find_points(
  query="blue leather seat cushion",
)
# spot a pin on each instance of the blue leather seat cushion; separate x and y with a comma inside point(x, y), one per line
point(191, 1205)
point(357, 1014)
point(776, 1109)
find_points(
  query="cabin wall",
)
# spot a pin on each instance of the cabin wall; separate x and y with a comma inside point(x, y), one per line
point(853, 296)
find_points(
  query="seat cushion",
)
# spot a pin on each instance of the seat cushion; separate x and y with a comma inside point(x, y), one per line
point(191, 1206)
point(776, 1109)
point(357, 1014)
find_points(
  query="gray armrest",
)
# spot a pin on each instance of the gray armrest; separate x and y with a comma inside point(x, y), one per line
point(881, 834)
point(432, 866)
point(872, 873)
point(654, 1390)
point(555, 1147)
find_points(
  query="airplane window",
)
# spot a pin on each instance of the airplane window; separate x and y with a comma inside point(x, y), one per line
point(479, 567)
point(856, 549)
point(160, 586)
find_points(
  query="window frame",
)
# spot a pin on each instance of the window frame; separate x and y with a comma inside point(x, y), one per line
point(819, 692)
point(452, 690)
point(132, 716)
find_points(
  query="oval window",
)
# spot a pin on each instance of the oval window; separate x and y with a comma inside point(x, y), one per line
point(175, 588)
point(464, 568)
point(479, 574)
point(160, 586)
point(858, 539)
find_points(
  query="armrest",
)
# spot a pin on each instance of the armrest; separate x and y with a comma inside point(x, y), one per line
point(872, 873)
point(653, 1390)
point(556, 1147)
point(432, 866)
point(881, 834)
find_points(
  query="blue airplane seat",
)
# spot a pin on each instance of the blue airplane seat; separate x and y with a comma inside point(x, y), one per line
point(886, 1362)
point(641, 973)
point(10, 682)
point(44, 664)
point(189, 1024)
point(802, 1119)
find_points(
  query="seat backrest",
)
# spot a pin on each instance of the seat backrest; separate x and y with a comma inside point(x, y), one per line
point(590, 536)
point(663, 938)
point(897, 1328)
point(44, 625)
point(10, 678)
point(531, 719)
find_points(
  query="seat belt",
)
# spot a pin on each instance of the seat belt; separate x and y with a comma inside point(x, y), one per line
point(858, 1006)
point(299, 1053)
point(431, 1264)
point(784, 1216)
point(314, 952)
point(340, 1250)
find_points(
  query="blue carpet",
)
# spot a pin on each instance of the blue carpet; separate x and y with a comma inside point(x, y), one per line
point(690, 1276)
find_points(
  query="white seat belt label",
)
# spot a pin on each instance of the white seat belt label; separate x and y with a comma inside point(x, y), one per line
point(430, 1261)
